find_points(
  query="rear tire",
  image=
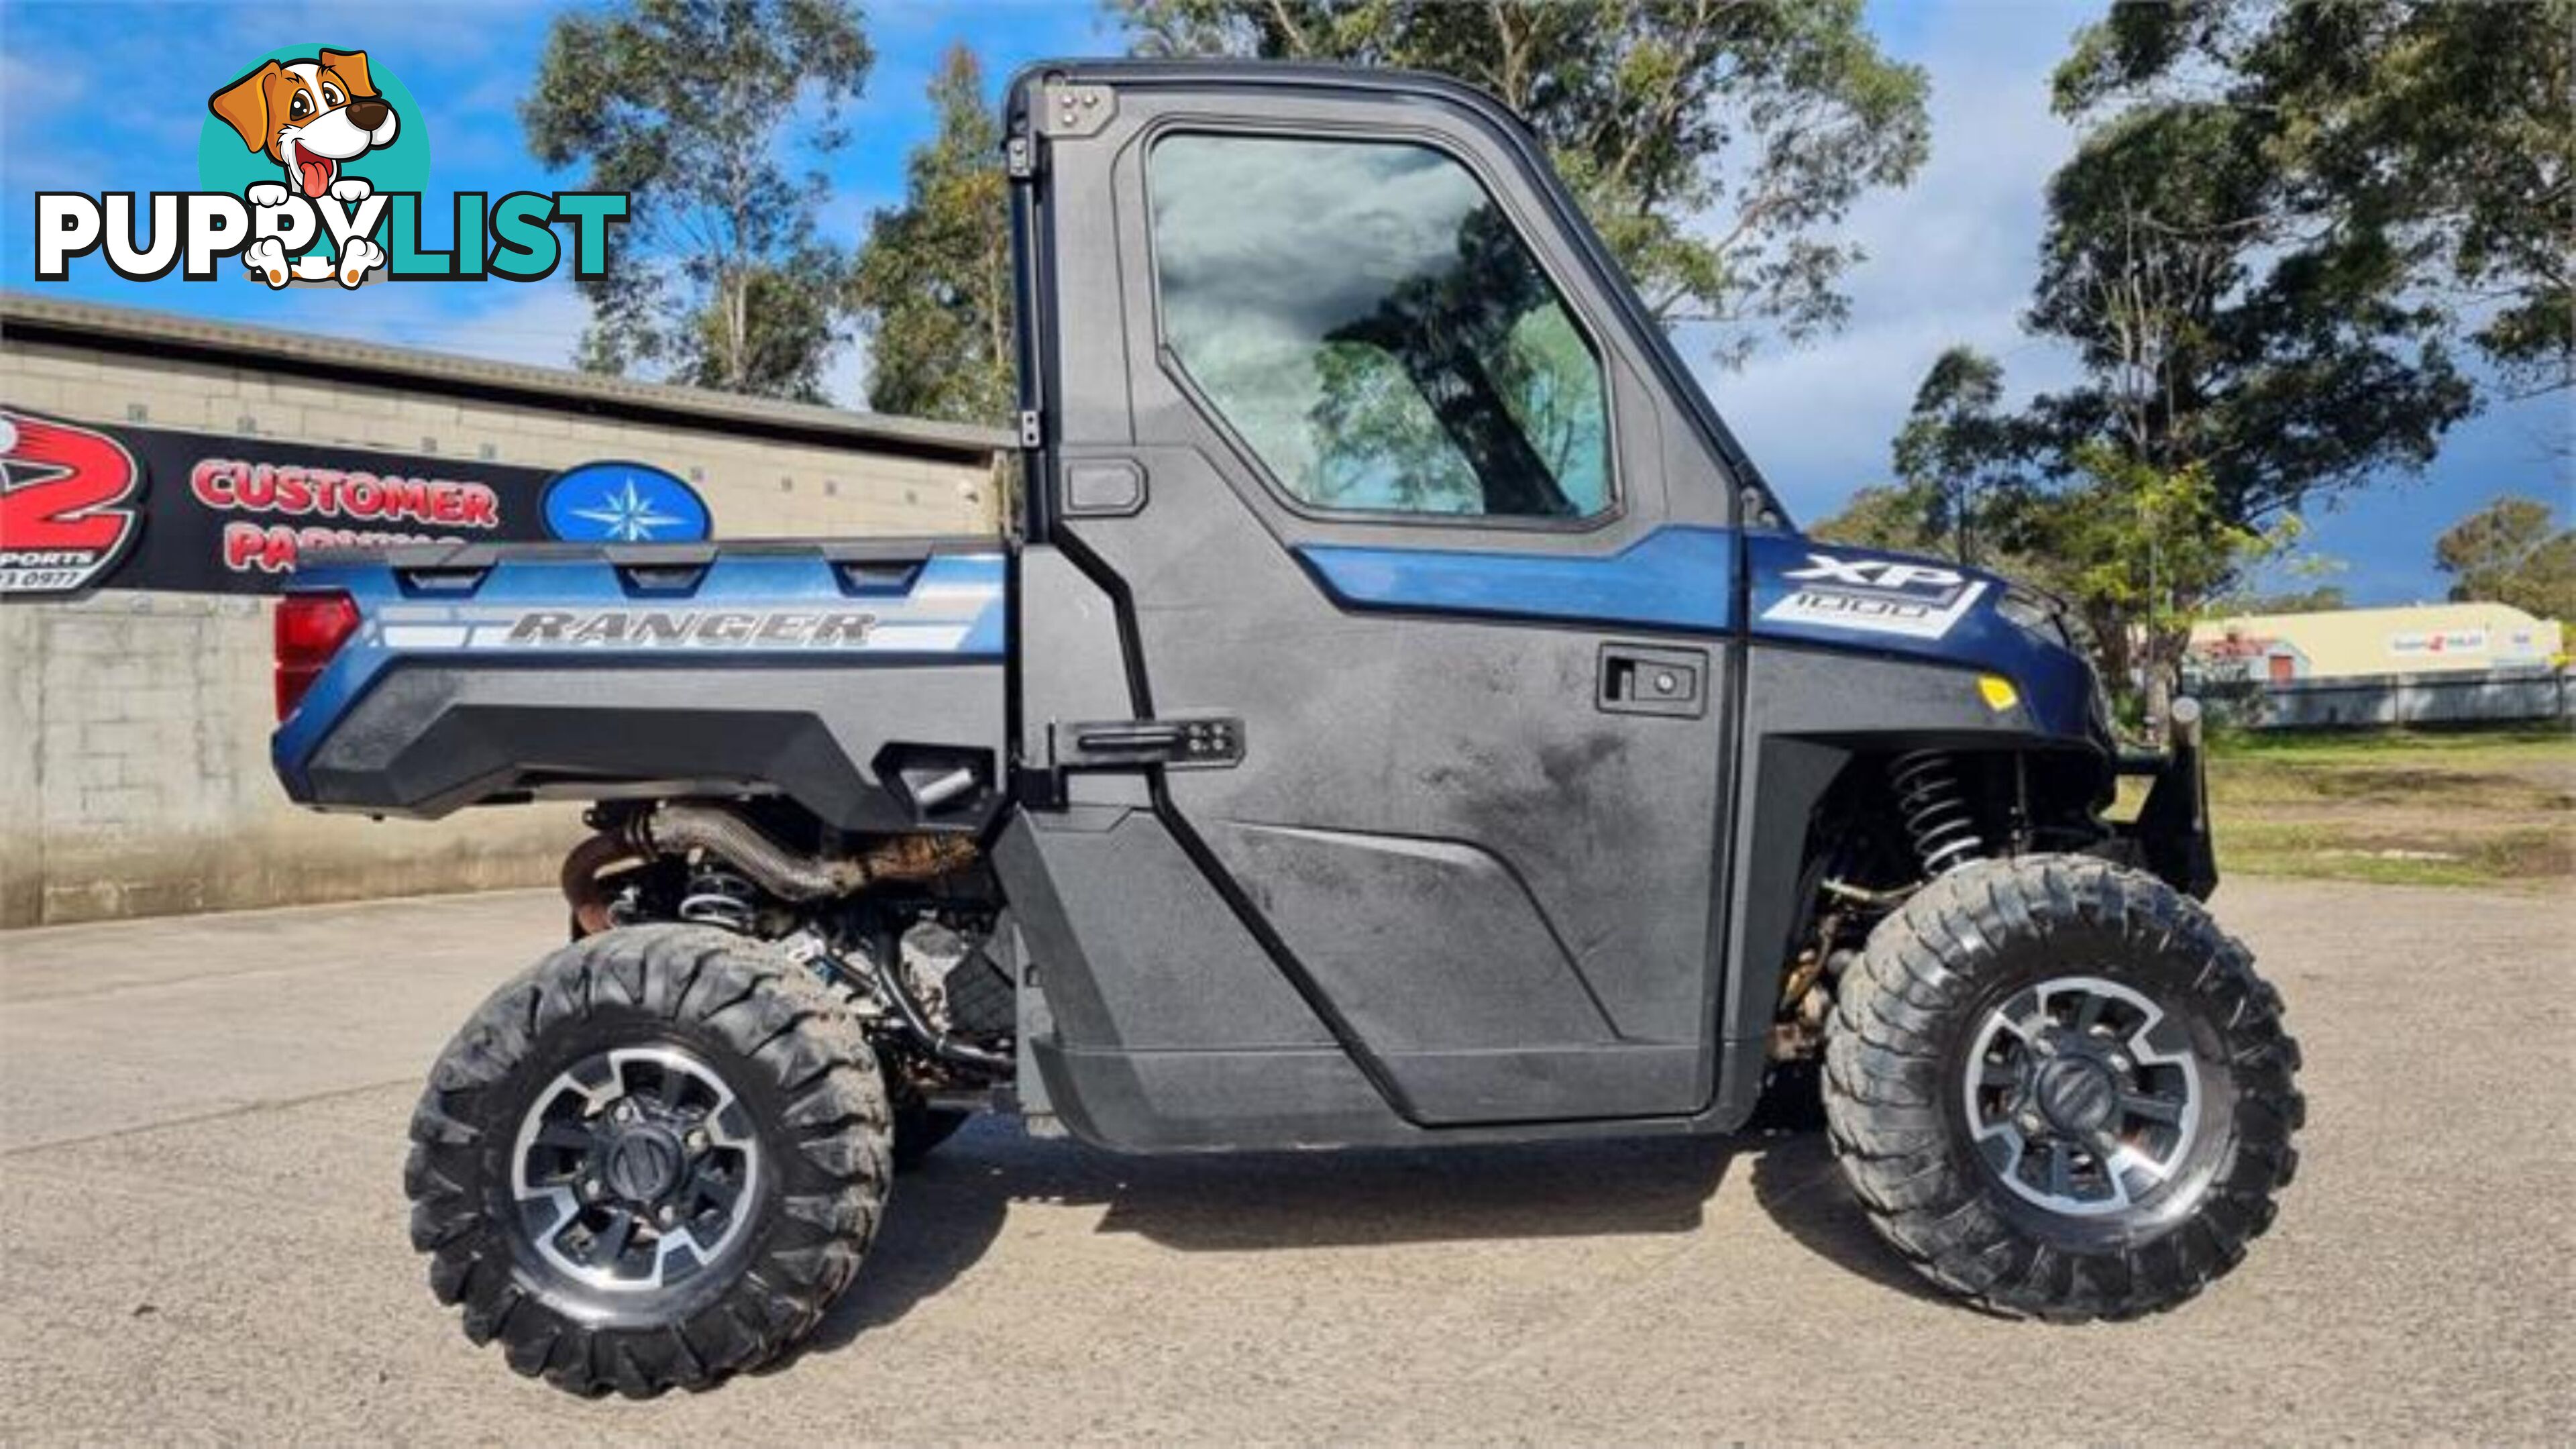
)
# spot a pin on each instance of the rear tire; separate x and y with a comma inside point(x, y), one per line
point(2060, 1090)
point(652, 1160)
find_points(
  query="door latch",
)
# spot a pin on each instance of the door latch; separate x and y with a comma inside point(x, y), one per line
point(1638, 679)
point(1199, 743)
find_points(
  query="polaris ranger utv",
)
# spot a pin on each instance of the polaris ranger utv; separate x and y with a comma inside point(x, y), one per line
point(1402, 716)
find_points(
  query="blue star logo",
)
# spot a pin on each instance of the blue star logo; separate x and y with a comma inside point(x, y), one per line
point(627, 515)
point(613, 502)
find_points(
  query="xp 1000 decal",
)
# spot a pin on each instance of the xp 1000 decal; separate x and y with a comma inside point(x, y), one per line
point(1903, 597)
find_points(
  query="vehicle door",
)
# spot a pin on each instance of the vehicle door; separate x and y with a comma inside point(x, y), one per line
point(1399, 506)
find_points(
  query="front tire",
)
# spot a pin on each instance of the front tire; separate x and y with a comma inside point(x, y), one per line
point(2060, 1090)
point(653, 1160)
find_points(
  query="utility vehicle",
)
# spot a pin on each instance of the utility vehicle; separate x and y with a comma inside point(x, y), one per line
point(1401, 716)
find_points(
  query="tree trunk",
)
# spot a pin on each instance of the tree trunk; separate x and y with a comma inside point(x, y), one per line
point(2163, 671)
point(2159, 701)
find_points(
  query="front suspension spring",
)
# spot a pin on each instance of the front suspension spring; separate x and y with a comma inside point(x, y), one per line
point(1935, 809)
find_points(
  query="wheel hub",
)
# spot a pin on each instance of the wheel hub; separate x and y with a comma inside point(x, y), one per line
point(644, 1163)
point(634, 1168)
point(2082, 1094)
point(2077, 1095)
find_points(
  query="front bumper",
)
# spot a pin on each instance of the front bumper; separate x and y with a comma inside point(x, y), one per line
point(2170, 837)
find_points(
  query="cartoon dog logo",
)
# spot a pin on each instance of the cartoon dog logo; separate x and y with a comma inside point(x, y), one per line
point(310, 117)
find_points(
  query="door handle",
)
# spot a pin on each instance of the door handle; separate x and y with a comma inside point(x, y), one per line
point(1195, 741)
point(1641, 679)
point(1114, 738)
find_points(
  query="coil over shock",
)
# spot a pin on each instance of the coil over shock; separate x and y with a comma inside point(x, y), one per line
point(719, 897)
point(1934, 806)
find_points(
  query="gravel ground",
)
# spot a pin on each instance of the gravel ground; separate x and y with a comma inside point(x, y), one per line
point(201, 1238)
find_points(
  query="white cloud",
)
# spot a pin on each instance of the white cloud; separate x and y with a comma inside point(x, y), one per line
point(1951, 260)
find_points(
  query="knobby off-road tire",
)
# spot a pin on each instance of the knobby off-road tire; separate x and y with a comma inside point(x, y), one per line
point(1957, 1083)
point(657, 1064)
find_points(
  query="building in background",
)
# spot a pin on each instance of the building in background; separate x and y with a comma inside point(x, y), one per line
point(2343, 643)
point(2420, 664)
point(182, 465)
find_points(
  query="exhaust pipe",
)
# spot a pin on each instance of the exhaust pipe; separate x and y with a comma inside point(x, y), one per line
point(583, 888)
point(678, 828)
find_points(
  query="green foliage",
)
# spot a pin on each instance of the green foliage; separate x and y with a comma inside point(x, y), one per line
point(933, 281)
point(2287, 365)
point(2284, 597)
point(2513, 551)
point(1955, 454)
point(1893, 517)
point(2441, 137)
point(721, 279)
point(2250, 296)
point(2323, 599)
point(2149, 546)
point(2141, 552)
point(1773, 118)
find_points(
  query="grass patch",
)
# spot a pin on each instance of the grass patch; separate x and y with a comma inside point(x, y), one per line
point(2336, 851)
point(2504, 747)
point(2406, 808)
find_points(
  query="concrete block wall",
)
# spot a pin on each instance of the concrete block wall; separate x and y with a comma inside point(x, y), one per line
point(134, 776)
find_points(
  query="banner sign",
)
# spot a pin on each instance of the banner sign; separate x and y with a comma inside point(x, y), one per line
point(87, 507)
point(2438, 641)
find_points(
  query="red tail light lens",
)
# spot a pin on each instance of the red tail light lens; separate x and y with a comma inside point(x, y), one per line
point(310, 629)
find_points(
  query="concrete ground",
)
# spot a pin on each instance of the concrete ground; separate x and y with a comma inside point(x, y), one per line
point(201, 1238)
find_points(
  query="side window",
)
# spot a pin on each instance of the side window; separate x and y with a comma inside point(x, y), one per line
point(1364, 316)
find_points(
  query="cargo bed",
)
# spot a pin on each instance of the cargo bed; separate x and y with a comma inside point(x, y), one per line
point(841, 674)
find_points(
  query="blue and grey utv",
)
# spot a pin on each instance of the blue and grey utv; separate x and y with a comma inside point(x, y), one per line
point(1402, 716)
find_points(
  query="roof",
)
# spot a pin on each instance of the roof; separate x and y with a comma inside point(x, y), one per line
point(2403, 616)
point(25, 318)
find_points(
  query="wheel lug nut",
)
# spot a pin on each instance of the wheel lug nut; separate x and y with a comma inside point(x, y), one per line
point(590, 1187)
point(2030, 1122)
point(697, 1141)
point(667, 1216)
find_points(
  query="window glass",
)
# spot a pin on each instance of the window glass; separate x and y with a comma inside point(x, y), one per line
point(1365, 317)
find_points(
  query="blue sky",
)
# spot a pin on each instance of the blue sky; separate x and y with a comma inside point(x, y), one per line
point(1951, 256)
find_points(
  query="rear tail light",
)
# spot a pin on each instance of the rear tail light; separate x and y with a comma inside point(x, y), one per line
point(310, 629)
